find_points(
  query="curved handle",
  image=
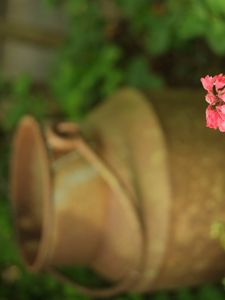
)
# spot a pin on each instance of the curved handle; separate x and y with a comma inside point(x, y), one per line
point(66, 137)
point(61, 137)
point(117, 288)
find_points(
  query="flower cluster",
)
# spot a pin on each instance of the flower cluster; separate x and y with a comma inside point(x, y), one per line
point(215, 112)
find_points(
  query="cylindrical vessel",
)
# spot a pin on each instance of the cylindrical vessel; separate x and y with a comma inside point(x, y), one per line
point(134, 191)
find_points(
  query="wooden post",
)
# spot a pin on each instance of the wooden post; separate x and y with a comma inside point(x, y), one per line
point(31, 31)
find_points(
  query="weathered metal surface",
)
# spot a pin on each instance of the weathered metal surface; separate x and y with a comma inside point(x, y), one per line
point(137, 189)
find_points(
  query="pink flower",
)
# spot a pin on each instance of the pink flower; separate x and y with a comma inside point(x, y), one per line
point(221, 111)
point(212, 117)
point(221, 95)
point(208, 82)
point(215, 97)
point(219, 81)
point(215, 117)
point(210, 98)
point(215, 86)
point(221, 125)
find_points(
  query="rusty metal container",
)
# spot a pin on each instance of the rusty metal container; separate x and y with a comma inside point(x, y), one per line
point(131, 192)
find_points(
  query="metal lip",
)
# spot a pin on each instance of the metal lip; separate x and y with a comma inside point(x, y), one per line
point(31, 194)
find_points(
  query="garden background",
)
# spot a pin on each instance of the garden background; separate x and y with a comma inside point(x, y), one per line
point(95, 47)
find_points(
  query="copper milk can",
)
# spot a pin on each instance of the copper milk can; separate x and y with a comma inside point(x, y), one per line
point(131, 192)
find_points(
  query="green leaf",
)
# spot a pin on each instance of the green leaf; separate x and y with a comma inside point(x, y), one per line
point(135, 297)
point(216, 6)
point(21, 86)
point(185, 294)
point(131, 7)
point(210, 292)
point(76, 7)
point(216, 36)
point(111, 82)
point(161, 296)
point(138, 74)
point(194, 22)
point(158, 37)
point(8, 253)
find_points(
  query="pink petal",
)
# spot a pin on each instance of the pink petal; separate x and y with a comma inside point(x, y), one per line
point(210, 98)
point(219, 81)
point(221, 95)
point(212, 117)
point(208, 82)
point(221, 111)
point(221, 125)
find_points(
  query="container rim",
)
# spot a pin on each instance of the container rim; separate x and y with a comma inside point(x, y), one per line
point(31, 194)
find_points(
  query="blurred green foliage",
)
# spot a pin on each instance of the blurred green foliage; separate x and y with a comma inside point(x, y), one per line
point(142, 43)
point(130, 42)
point(23, 101)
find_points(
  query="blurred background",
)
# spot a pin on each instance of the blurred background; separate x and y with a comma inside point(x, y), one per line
point(61, 58)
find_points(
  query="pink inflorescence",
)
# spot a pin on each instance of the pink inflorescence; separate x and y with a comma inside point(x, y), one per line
point(215, 112)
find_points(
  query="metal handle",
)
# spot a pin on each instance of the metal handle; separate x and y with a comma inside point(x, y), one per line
point(117, 288)
point(66, 137)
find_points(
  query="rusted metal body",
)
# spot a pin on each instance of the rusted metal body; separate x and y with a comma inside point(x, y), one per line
point(132, 192)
